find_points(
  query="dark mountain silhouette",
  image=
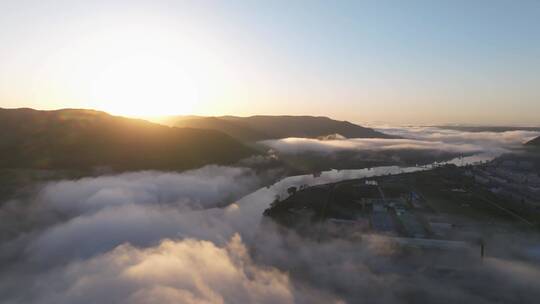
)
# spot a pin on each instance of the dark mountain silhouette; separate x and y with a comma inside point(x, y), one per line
point(257, 128)
point(534, 142)
point(84, 139)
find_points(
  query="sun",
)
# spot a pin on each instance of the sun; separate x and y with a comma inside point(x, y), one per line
point(137, 70)
point(146, 86)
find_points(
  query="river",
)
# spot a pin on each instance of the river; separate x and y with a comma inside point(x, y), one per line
point(245, 215)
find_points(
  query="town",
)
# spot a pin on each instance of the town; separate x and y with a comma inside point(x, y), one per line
point(447, 207)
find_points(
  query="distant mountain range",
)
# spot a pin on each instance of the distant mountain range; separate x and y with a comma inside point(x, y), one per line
point(256, 128)
point(85, 139)
point(534, 142)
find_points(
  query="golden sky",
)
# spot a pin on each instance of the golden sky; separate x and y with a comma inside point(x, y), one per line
point(365, 62)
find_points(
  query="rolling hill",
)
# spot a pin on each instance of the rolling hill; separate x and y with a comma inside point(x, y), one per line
point(256, 128)
point(85, 139)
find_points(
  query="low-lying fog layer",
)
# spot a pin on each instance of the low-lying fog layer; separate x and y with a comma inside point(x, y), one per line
point(414, 138)
point(484, 139)
point(300, 145)
point(155, 237)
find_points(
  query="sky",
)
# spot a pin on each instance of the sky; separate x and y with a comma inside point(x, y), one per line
point(414, 62)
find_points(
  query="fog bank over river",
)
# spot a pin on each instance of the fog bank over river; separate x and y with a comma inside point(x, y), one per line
point(130, 236)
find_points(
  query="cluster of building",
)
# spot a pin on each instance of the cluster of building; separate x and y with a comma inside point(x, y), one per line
point(402, 217)
point(391, 216)
point(385, 206)
point(517, 180)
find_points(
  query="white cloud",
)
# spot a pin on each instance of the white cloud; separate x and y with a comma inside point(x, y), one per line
point(491, 139)
point(301, 145)
point(209, 186)
point(414, 138)
point(165, 237)
point(182, 271)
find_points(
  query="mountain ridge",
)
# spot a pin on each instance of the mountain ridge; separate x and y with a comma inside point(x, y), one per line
point(263, 127)
point(83, 139)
